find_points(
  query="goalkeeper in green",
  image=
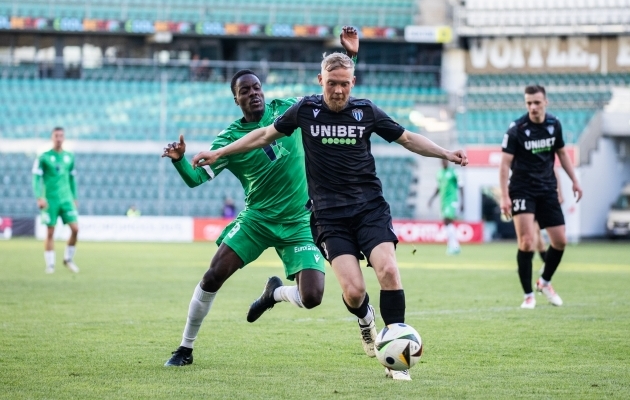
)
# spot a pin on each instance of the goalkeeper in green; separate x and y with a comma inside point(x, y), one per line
point(276, 197)
point(55, 189)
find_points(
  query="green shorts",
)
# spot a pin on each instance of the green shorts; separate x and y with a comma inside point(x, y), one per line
point(449, 210)
point(249, 235)
point(64, 209)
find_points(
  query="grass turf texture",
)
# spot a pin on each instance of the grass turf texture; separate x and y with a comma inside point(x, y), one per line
point(106, 332)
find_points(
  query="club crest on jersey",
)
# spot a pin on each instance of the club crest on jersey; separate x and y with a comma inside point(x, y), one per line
point(315, 112)
point(357, 114)
point(527, 132)
point(550, 129)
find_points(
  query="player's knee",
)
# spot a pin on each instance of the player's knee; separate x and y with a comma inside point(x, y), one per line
point(212, 280)
point(312, 299)
point(354, 296)
point(527, 243)
point(559, 244)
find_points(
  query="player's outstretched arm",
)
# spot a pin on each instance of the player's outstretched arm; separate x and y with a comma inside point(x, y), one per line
point(419, 144)
point(175, 151)
point(256, 139)
point(504, 176)
point(565, 161)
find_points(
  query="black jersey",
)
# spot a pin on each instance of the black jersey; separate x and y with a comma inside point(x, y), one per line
point(340, 167)
point(534, 148)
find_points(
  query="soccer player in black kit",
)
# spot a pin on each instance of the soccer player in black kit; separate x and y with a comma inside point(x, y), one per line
point(350, 219)
point(529, 149)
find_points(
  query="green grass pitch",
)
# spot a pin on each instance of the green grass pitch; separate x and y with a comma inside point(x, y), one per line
point(106, 332)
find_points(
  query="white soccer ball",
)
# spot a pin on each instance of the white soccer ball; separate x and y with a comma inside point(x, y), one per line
point(398, 346)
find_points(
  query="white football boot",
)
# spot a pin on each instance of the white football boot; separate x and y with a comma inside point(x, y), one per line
point(529, 303)
point(548, 291)
point(71, 266)
point(397, 375)
point(368, 334)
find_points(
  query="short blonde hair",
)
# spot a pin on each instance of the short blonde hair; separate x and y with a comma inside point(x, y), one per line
point(335, 61)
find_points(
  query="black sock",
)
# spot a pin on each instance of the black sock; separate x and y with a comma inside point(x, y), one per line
point(524, 260)
point(543, 256)
point(360, 312)
point(392, 306)
point(551, 265)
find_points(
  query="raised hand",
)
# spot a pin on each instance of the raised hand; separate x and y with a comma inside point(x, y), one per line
point(175, 150)
point(349, 38)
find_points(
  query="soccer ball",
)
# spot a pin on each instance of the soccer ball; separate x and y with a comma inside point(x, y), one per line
point(398, 346)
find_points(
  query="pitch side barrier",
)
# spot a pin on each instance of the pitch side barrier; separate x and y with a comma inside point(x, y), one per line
point(187, 229)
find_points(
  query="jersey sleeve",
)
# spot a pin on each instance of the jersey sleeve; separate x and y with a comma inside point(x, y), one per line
point(386, 127)
point(509, 139)
point(192, 176)
point(287, 123)
point(559, 143)
point(73, 180)
point(38, 174)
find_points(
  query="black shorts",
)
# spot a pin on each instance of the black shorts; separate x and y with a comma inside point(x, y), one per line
point(544, 205)
point(354, 230)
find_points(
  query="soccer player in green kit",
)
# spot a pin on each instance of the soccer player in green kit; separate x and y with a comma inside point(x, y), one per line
point(451, 203)
point(57, 198)
point(274, 181)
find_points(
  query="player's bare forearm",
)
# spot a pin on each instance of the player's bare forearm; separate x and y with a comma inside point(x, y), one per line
point(566, 164)
point(423, 146)
point(504, 176)
point(257, 138)
point(565, 161)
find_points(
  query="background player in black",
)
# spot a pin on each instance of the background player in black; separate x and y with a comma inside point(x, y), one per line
point(351, 219)
point(529, 149)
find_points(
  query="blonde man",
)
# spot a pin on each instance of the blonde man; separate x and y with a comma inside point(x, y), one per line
point(351, 220)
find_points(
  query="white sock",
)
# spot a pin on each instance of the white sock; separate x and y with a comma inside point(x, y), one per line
point(49, 257)
point(197, 310)
point(544, 282)
point(451, 236)
point(529, 295)
point(367, 320)
point(68, 255)
point(290, 294)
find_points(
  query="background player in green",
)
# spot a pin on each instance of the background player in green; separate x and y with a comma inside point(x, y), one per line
point(57, 197)
point(274, 181)
point(451, 203)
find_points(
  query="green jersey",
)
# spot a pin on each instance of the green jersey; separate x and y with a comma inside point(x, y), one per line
point(448, 184)
point(57, 171)
point(273, 177)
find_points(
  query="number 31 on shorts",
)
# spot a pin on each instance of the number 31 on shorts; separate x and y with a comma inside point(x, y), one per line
point(519, 205)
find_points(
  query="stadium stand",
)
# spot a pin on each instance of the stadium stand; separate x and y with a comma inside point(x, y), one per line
point(126, 105)
point(495, 14)
point(396, 13)
point(109, 183)
point(493, 100)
